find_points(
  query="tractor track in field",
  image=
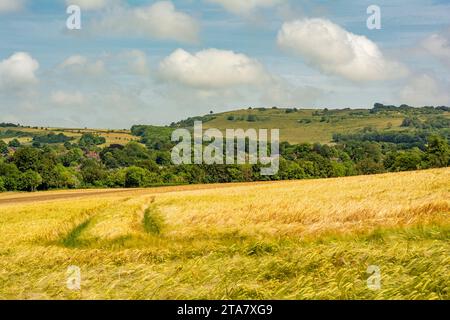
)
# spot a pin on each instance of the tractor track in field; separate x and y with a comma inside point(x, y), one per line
point(42, 197)
point(62, 196)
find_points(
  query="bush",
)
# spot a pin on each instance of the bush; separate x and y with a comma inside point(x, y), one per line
point(438, 152)
point(251, 118)
point(14, 143)
point(135, 177)
point(93, 172)
point(89, 140)
point(412, 122)
point(2, 185)
point(30, 181)
point(65, 178)
point(116, 178)
point(51, 138)
point(3, 148)
point(27, 158)
point(10, 175)
point(408, 160)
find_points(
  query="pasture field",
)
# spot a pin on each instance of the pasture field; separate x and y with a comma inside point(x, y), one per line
point(309, 239)
point(305, 127)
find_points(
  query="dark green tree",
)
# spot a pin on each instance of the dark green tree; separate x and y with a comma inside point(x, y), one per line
point(14, 143)
point(135, 177)
point(72, 157)
point(2, 185)
point(3, 148)
point(27, 158)
point(438, 152)
point(93, 172)
point(30, 181)
point(10, 175)
point(408, 160)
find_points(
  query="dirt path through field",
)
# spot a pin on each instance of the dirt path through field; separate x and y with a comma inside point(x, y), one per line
point(58, 196)
point(67, 195)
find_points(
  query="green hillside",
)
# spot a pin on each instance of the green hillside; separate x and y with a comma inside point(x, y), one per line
point(307, 125)
point(296, 125)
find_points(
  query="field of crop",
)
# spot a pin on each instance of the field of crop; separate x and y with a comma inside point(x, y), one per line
point(111, 136)
point(282, 240)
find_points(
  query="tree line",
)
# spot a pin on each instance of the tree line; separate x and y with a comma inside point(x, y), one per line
point(86, 164)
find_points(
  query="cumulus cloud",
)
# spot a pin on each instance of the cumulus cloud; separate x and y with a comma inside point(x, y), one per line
point(246, 7)
point(82, 65)
point(425, 90)
point(286, 95)
point(137, 62)
point(67, 98)
point(212, 69)
point(336, 51)
point(18, 71)
point(225, 79)
point(75, 60)
point(438, 45)
point(160, 20)
point(8, 6)
point(92, 4)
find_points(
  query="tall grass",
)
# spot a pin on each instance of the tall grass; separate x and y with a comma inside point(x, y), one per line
point(287, 240)
point(72, 239)
point(153, 221)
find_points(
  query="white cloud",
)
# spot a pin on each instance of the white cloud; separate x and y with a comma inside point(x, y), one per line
point(246, 7)
point(137, 62)
point(336, 51)
point(81, 65)
point(212, 69)
point(286, 95)
point(18, 71)
point(67, 98)
point(425, 90)
point(92, 4)
point(438, 45)
point(7, 6)
point(160, 20)
point(75, 60)
point(222, 79)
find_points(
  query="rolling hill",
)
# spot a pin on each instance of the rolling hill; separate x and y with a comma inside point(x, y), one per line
point(311, 125)
point(296, 125)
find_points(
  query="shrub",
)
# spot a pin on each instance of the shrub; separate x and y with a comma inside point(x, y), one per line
point(10, 175)
point(14, 143)
point(30, 181)
point(2, 185)
point(116, 178)
point(135, 177)
point(3, 148)
point(251, 118)
point(438, 152)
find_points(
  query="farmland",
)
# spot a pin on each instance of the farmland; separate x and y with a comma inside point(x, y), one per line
point(26, 134)
point(309, 239)
point(296, 125)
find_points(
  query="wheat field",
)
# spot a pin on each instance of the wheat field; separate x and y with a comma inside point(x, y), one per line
point(311, 239)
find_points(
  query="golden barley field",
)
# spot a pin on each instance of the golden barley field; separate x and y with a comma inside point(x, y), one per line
point(310, 239)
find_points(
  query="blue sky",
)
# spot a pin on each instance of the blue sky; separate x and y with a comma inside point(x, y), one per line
point(159, 61)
